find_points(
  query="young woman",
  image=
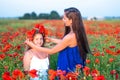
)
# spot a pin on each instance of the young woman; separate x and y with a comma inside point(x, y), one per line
point(73, 48)
point(34, 59)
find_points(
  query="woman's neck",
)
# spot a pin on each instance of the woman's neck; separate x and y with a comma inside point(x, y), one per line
point(71, 30)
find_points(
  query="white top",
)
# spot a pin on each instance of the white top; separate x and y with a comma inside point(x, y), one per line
point(39, 64)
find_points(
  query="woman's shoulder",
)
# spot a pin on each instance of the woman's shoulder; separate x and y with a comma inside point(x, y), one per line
point(70, 36)
point(71, 39)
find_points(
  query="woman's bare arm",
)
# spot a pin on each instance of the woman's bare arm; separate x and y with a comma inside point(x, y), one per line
point(60, 46)
point(53, 40)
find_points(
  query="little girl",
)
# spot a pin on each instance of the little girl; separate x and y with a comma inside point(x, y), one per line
point(34, 59)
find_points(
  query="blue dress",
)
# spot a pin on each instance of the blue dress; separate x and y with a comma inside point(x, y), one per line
point(69, 58)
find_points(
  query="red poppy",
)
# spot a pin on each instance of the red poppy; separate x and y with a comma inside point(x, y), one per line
point(97, 60)
point(15, 54)
point(4, 40)
point(112, 47)
point(6, 47)
point(111, 60)
point(60, 72)
point(2, 56)
point(103, 54)
point(101, 77)
point(16, 34)
point(112, 72)
point(78, 66)
point(71, 76)
point(52, 74)
point(37, 25)
point(118, 51)
point(30, 34)
point(110, 52)
point(17, 74)
point(86, 70)
point(95, 72)
point(18, 47)
point(117, 76)
point(97, 54)
point(6, 76)
point(40, 27)
point(6, 68)
point(33, 73)
point(87, 61)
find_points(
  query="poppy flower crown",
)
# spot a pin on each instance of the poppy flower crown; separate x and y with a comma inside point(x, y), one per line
point(38, 27)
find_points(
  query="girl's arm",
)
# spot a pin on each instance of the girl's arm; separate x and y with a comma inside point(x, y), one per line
point(60, 46)
point(26, 61)
point(53, 40)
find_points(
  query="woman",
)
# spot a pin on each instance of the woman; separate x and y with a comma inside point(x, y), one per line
point(73, 48)
point(34, 59)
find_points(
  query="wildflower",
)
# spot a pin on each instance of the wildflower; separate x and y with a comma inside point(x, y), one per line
point(71, 76)
point(87, 61)
point(112, 47)
point(86, 70)
point(2, 56)
point(111, 60)
point(17, 74)
point(97, 60)
point(6, 76)
point(52, 74)
point(101, 77)
point(112, 72)
point(33, 73)
point(95, 72)
point(96, 54)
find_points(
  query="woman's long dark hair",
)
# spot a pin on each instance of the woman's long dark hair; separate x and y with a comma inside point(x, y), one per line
point(36, 32)
point(78, 29)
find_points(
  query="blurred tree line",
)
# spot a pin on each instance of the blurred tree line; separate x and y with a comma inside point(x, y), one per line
point(33, 15)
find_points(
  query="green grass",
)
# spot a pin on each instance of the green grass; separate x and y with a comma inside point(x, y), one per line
point(15, 24)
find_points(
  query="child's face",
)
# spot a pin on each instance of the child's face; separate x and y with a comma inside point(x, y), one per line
point(38, 40)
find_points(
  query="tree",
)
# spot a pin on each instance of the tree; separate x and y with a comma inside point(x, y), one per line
point(54, 15)
point(33, 15)
point(26, 16)
point(43, 16)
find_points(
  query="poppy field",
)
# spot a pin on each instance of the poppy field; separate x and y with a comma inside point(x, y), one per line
point(102, 64)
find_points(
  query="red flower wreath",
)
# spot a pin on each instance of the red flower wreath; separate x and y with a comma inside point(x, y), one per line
point(39, 27)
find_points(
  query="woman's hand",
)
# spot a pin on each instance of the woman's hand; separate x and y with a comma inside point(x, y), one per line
point(48, 39)
point(27, 41)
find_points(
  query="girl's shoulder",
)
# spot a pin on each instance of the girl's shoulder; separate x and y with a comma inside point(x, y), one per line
point(29, 52)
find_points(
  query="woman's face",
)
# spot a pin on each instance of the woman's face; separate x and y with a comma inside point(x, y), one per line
point(67, 21)
point(38, 39)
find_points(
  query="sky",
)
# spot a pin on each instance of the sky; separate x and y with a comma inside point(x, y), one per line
point(88, 8)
